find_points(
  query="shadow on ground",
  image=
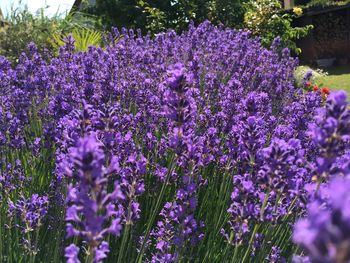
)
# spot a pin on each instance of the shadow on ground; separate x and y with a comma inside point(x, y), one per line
point(338, 78)
point(338, 70)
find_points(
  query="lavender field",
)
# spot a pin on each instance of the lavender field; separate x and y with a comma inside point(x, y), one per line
point(192, 147)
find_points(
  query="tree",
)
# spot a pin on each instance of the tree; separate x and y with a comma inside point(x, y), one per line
point(158, 15)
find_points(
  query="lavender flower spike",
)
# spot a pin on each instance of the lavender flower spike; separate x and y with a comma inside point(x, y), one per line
point(71, 253)
point(92, 212)
point(325, 232)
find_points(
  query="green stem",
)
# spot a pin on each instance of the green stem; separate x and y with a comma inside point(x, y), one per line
point(228, 244)
point(30, 247)
point(250, 243)
point(235, 252)
point(124, 242)
point(155, 210)
point(58, 239)
point(1, 236)
point(90, 255)
point(36, 244)
point(262, 211)
point(318, 186)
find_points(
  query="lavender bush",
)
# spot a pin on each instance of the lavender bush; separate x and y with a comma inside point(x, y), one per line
point(196, 147)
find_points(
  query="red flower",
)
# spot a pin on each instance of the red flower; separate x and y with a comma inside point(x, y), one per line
point(308, 83)
point(325, 91)
point(315, 88)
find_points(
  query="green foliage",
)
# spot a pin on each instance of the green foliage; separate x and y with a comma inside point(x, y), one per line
point(119, 13)
point(300, 72)
point(83, 38)
point(266, 19)
point(155, 18)
point(158, 15)
point(230, 13)
point(337, 78)
point(22, 27)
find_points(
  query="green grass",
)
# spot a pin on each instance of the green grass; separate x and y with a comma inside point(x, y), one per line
point(338, 78)
point(335, 78)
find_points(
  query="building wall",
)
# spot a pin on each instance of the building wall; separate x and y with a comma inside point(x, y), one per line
point(2, 21)
point(330, 37)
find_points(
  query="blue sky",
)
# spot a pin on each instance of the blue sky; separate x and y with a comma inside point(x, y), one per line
point(62, 6)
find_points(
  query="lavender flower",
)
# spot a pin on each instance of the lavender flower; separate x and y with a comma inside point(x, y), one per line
point(92, 212)
point(330, 133)
point(208, 123)
point(71, 253)
point(178, 221)
point(180, 107)
point(324, 233)
point(132, 184)
point(12, 178)
point(30, 211)
point(275, 256)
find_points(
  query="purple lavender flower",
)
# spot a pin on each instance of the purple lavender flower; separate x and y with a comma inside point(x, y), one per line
point(132, 185)
point(324, 233)
point(164, 233)
point(307, 77)
point(209, 105)
point(281, 164)
point(31, 211)
point(178, 221)
point(101, 252)
point(92, 212)
point(243, 207)
point(12, 178)
point(275, 256)
point(180, 107)
point(301, 259)
point(330, 133)
point(71, 253)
